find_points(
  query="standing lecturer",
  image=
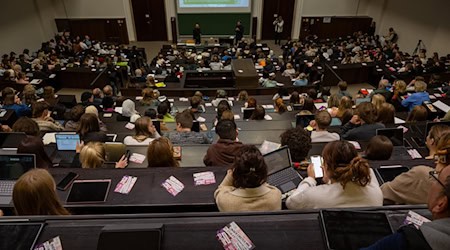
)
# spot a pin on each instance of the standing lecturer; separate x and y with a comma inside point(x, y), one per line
point(278, 24)
point(197, 34)
point(239, 30)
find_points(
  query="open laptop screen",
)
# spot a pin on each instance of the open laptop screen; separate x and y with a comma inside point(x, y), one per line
point(394, 134)
point(19, 235)
point(67, 142)
point(431, 124)
point(277, 160)
point(11, 140)
point(13, 166)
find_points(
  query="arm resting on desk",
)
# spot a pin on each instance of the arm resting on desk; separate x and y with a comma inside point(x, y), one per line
point(296, 200)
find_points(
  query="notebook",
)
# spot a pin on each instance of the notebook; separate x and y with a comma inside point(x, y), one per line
point(11, 168)
point(280, 172)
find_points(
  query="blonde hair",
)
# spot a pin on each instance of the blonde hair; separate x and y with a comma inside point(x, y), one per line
point(420, 86)
point(93, 155)
point(400, 86)
point(35, 194)
point(378, 100)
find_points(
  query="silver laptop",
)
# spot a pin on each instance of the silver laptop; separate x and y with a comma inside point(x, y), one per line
point(11, 168)
point(280, 172)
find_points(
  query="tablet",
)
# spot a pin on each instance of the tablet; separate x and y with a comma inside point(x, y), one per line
point(88, 191)
point(19, 235)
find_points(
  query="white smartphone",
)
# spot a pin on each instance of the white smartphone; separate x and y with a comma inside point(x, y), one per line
point(316, 160)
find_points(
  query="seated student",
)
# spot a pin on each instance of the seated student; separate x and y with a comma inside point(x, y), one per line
point(29, 95)
point(242, 96)
point(75, 114)
point(343, 90)
point(41, 115)
point(220, 95)
point(269, 82)
point(108, 104)
point(377, 100)
point(417, 98)
point(164, 112)
point(145, 132)
point(244, 188)
point(196, 105)
point(301, 80)
point(379, 148)
point(12, 101)
point(89, 129)
point(289, 71)
point(87, 99)
point(259, 113)
point(26, 125)
point(362, 126)
point(221, 108)
point(129, 112)
point(299, 143)
point(148, 98)
point(98, 96)
point(223, 152)
point(93, 110)
point(250, 103)
point(183, 133)
point(49, 96)
point(321, 122)
point(35, 194)
point(386, 114)
point(399, 90)
point(350, 181)
point(160, 153)
point(411, 187)
point(431, 235)
point(93, 155)
point(383, 86)
point(34, 145)
point(280, 107)
point(418, 113)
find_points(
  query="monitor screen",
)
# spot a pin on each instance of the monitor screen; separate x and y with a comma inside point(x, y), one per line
point(89, 191)
point(11, 140)
point(394, 134)
point(13, 166)
point(431, 124)
point(248, 112)
point(67, 142)
point(277, 160)
point(389, 174)
point(19, 235)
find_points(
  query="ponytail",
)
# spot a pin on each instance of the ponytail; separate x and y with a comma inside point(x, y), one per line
point(358, 172)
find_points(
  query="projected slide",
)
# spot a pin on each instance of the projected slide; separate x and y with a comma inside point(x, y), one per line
point(213, 3)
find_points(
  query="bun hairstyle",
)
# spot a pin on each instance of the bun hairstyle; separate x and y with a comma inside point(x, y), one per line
point(344, 165)
point(250, 170)
point(443, 149)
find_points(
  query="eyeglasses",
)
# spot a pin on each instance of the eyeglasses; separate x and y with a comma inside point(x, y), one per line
point(435, 175)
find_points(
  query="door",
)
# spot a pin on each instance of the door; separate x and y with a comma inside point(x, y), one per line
point(284, 8)
point(150, 20)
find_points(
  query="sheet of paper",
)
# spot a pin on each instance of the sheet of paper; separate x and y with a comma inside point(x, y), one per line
point(137, 158)
point(201, 119)
point(173, 185)
point(204, 178)
point(398, 120)
point(118, 110)
point(49, 138)
point(237, 117)
point(442, 106)
point(233, 238)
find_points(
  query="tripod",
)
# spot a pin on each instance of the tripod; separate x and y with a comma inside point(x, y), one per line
point(420, 45)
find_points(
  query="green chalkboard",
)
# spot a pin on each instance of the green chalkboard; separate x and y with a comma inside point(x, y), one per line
point(213, 23)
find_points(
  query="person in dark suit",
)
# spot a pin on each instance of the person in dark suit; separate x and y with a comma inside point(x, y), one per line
point(197, 34)
point(239, 29)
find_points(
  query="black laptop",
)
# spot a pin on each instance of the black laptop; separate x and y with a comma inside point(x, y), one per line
point(11, 140)
point(280, 172)
point(396, 136)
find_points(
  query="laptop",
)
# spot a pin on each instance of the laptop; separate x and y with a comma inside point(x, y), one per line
point(280, 172)
point(388, 173)
point(11, 140)
point(303, 120)
point(361, 100)
point(11, 168)
point(420, 141)
point(399, 151)
point(20, 235)
point(66, 145)
point(248, 112)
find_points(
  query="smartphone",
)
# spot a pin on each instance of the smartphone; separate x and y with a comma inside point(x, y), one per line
point(65, 183)
point(316, 160)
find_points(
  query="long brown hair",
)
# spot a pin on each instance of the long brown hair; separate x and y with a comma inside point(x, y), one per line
point(141, 128)
point(35, 194)
point(34, 145)
point(344, 165)
point(160, 153)
point(88, 123)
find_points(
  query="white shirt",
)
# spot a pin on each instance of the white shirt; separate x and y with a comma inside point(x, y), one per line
point(308, 195)
point(129, 140)
point(278, 25)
